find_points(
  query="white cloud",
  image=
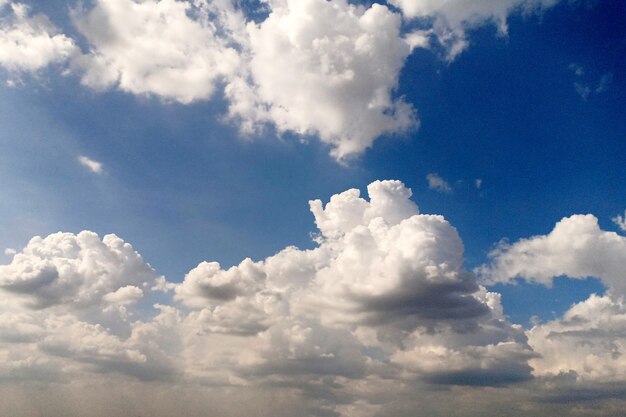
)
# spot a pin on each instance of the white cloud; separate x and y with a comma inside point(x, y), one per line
point(374, 315)
point(74, 271)
point(383, 278)
point(451, 19)
point(319, 68)
point(435, 182)
point(92, 165)
point(333, 75)
point(586, 345)
point(325, 68)
point(383, 297)
point(577, 247)
point(124, 295)
point(620, 221)
point(155, 47)
point(588, 341)
point(30, 42)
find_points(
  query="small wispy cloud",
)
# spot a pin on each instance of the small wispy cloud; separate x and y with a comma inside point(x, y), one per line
point(91, 164)
point(437, 183)
point(620, 221)
point(604, 82)
point(586, 88)
point(577, 69)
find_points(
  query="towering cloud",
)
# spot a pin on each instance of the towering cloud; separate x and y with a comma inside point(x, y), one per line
point(383, 297)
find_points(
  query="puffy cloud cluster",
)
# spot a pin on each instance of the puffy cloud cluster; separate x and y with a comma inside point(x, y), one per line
point(70, 306)
point(380, 309)
point(586, 345)
point(30, 42)
point(311, 67)
point(320, 68)
point(383, 297)
point(589, 341)
point(75, 271)
point(327, 69)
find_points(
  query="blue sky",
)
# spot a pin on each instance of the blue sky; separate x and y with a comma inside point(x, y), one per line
point(535, 114)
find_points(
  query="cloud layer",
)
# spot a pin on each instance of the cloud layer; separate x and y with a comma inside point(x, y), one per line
point(380, 308)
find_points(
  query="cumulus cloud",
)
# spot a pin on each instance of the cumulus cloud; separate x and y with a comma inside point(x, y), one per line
point(325, 68)
point(587, 343)
point(382, 297)
point(73, 271)
point(581, 354)
point(576, 247)
point(384, 279)
point(332, 76)
point(381, 309)
point(154, 47)
point(30, 42)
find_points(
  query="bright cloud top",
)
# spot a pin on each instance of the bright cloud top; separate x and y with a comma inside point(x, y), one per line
point(327, 69)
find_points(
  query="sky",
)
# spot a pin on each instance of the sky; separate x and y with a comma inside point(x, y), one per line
point(311, 207)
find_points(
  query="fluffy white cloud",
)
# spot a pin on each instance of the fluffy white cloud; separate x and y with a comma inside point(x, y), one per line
point(73, 271)
point(451, 19)
point(576, 247)
point(325, 68)
point(380, 309)
point(588, 341)
point(30, 42)
point(155, 47)
point(311, 67)
point(587, 344)
point(383, 279)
